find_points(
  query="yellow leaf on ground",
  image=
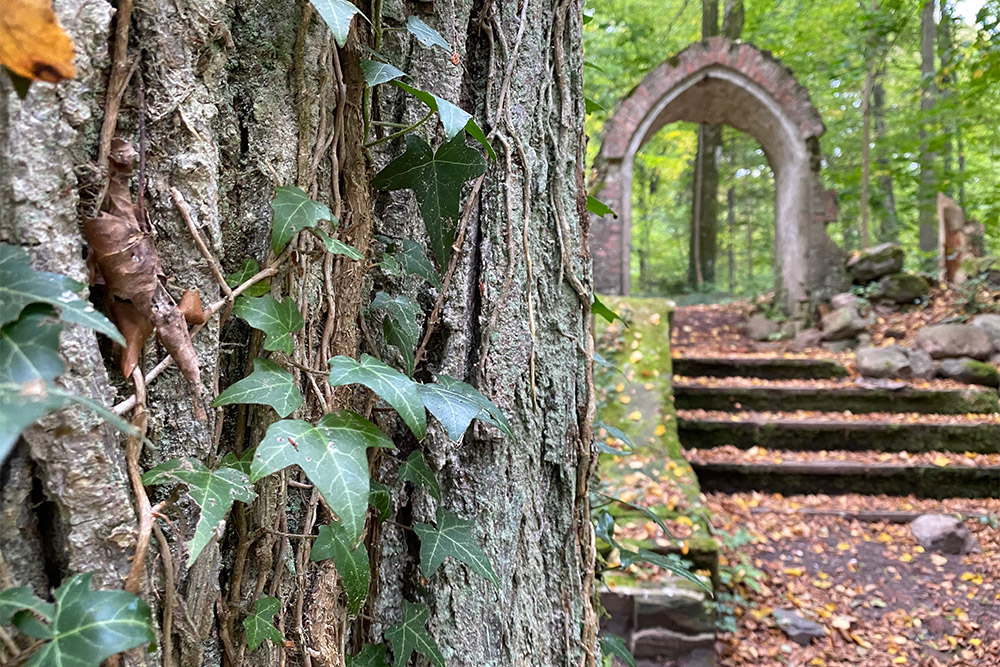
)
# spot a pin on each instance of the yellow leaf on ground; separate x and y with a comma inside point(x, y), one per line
point(32, 43)
point(843, 546)
point(794, 571)
point(940, 460)
point(635, 415)
point(659, 430)
point(938, 559)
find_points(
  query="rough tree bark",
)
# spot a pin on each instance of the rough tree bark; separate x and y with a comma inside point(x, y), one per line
point(241, 97)
point(927, 185)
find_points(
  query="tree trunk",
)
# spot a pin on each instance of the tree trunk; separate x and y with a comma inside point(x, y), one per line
point(731, 224)
point(927, 186)
point(866, 132)
point(240, 98)
point(889, 218)
point(945, 49)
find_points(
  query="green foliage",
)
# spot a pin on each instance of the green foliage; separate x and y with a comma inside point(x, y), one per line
point(249, 269)
point(436, 179)
point(400, 325)
point(597, 207)
point(412, 259)
point(337, 247)
point(212, 491)
point(351, 563)
point(333, 453)
point(278, 319)
point(411, 635)
point(448, 393)
point(269, 384)
point(614, 432)
point(338, 15)
point(380, 498)
point(598, 308)
point(426, 35)
point(452, 537)
point(371, 655)
point(258, 625)
point(377, 73)
point(415, 469)
point(392, 386)
point(294, 210)
point(613, 646)
point(83, 627)
point(21, 285)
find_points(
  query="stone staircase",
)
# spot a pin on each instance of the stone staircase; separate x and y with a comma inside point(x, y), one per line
point(716, 411)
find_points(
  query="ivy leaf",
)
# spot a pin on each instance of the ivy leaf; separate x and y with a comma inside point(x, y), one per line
point(258, 625)
point(293, 210)
point(597, 207)
point(371, 655)
point(337, 247)
point(675, 567)
point(455, 391)
point(590, 107)
point(452, 537)
point(411, 635)
point(598, 308)
point(269, 384)
point(249, 269)
point(436, 180)
point(21, 285)
point(13, 600)
point(454, 411)
point(604, 528)
point(278, 319)
point(413, 260)
point(212, 491)
point(381, 499)
point(426, 35)
point(648, 513)
point(241, 463)
point(613, 645)
point(453, 117)
point(392, 386)
point(400, 324)
point(614, 432)
point(351, 563)
point(87, 626)
point(337, 14)
point(376, 72)
point(415, 469)
point(332, 454)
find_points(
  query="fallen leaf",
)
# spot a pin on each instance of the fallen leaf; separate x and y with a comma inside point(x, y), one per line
point(32, 43)
point(190, 307)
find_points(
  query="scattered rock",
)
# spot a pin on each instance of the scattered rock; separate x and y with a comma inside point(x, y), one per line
point(791, 328)
point(799, 630)
point(955, 340)
point(922, 365)
point(943, 533)
point(901, 288)
point(845, 300)
point(842, 323)
point(806, 339)
point(760, 328)
point(873, 263)
point(970, 371)
point(991, 324)
point(883, 362)
point(700, 657)
point(838, 345)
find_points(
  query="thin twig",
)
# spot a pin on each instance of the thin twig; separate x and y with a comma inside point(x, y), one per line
point(169, 595)
point(185, 212)
point(121, 72)
point(133, 583)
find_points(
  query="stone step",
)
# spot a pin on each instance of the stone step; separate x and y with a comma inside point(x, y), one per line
point(839, 477)
point(829, 432)
point(847, 398)
point(768, 368)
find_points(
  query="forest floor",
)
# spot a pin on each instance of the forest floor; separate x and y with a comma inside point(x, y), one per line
point(882, 599)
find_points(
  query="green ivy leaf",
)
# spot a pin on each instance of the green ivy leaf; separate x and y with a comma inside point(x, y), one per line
point(613, 645)
point(376, 72)
point(590, 107)
point(258, 625)
point(86, 627)
point(371, 655)
point(648, 513)
point(351, 563)
point(400, 325)
point(269, 384)
point(453, 401)
point(337, 247)
point(241, 463)
point(452, 537)
point(629, 558)
point(249, 269)
point(333, 456)
point(212, 491)
point(436, 180)
point(598, 308)
point(392, 386)
point(13, 600)
point(293, 210)
point(415, 469)
point(411, 635)
point(426, 35)
point(604, 528)
point(597, 207)
point(453, 117)
point(21, 285)
point(411, 257)
point(380, 498)
point(614, 433)
point(337, 14)
point(278, 319)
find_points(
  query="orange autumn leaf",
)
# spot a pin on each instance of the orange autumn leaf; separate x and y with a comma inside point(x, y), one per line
point(32, 43)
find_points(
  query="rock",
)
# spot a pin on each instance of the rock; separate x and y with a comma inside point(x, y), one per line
point(760, 328)
point(943, 533)
point(845, 300)
point(883, 362)
point(791, 328)
point(798, 629)
point(922, 365)
point(990, 323)
point(955, 340)
point(842, 323)
point(838, 345)
point(970, 371)
point(876, 262)
point(806, 339)
point(901, 288)
point(700, 657)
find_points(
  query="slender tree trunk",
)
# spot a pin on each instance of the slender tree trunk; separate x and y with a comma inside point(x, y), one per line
point(731, 219)
point(927, 186)
point(749, 226)
point(889, 218)
point(866, 129)
point(945, 56)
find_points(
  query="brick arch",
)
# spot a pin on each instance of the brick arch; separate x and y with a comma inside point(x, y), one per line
point(735, 84)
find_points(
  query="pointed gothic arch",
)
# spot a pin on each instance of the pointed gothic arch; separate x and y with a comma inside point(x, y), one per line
point(735, 84)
